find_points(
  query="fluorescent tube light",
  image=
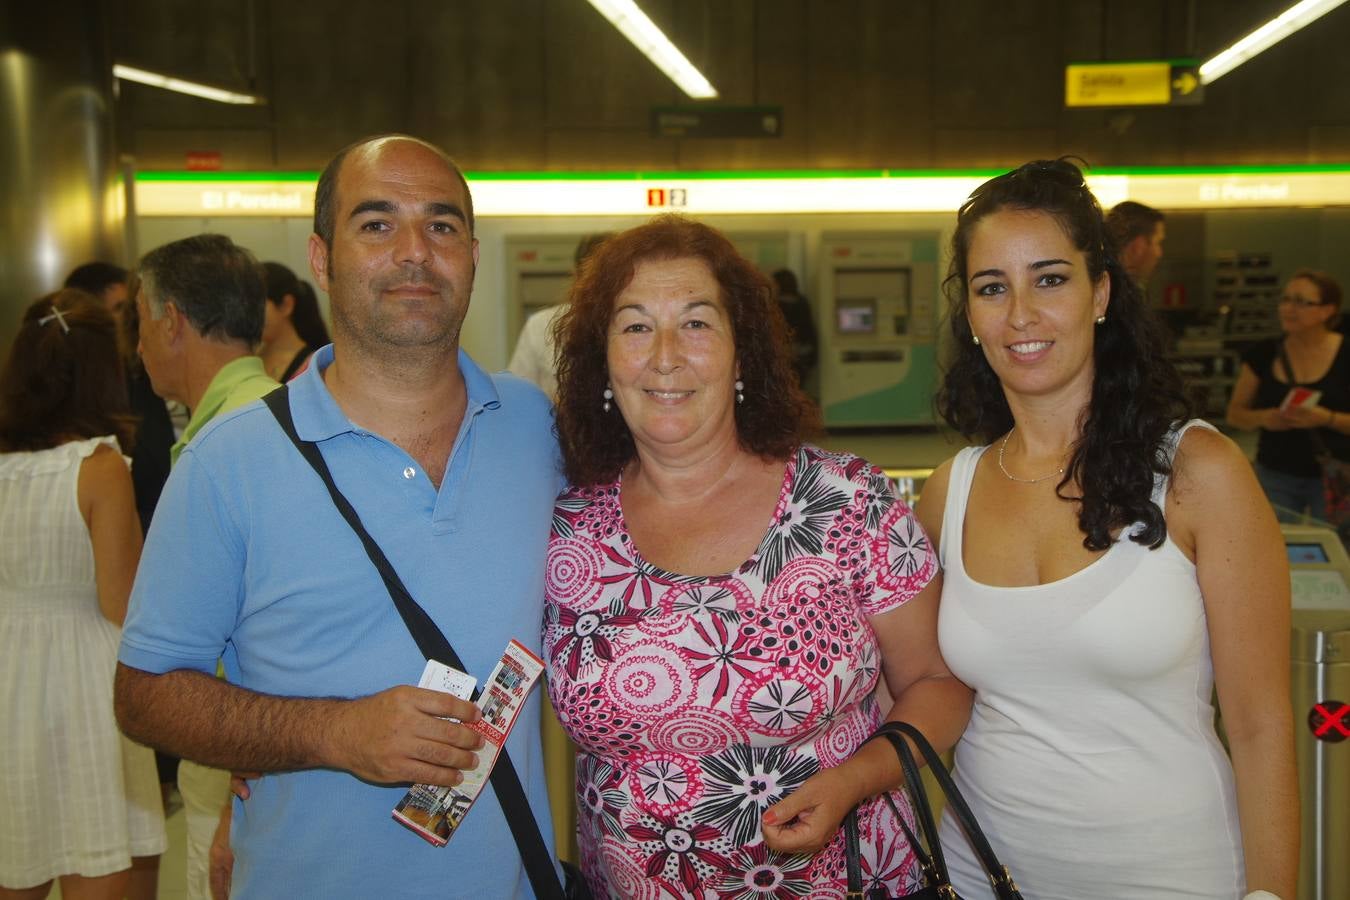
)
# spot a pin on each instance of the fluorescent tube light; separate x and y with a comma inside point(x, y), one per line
point(1274, 31)
point(181, 86)
point(652, 41)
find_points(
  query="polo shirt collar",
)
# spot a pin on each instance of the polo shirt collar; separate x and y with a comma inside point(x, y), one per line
point(223, 383)
point(318, 416)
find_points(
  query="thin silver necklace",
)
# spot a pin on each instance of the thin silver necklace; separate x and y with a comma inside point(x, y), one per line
point(1010, 476)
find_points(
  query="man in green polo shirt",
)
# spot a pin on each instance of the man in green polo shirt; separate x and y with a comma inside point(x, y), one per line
point(201, 307)
point(201, 304)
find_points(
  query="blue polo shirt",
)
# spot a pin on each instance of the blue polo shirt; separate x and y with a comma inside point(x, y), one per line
point(247, 560)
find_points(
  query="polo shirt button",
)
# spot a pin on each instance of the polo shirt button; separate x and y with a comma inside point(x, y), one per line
point(409, 472)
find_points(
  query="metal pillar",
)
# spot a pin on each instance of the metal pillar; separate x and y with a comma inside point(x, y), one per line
point(60, 199)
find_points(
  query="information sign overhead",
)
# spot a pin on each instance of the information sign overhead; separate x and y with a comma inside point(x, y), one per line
point(1147, 83)
point(717, 121)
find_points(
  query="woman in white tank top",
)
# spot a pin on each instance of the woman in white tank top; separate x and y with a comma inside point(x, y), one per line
point(1106, 565)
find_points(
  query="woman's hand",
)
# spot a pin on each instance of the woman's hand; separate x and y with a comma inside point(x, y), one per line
point(220, 858)
point(1274, 420)
point(1307, 417)
point(807, 819)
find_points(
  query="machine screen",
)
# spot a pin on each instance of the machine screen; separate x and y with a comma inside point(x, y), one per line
point(1307, 553)
point(856, 316)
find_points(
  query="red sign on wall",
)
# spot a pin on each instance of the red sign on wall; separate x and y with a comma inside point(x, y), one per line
point(672, 197)
point(204, 161)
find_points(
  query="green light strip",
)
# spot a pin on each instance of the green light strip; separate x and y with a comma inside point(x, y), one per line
point(226, 176)
point(771, 174)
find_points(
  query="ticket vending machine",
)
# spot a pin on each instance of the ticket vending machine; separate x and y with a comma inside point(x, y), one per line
point(538, 275)
point(877, 318)
point(1320, 684)
point(768, 250)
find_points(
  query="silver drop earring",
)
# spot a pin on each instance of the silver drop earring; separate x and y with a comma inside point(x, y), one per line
point(608, 395)
point(740, 391)
point(975, 339)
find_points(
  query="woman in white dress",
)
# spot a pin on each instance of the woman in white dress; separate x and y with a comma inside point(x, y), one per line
point(1107, 562)
point(81, 802)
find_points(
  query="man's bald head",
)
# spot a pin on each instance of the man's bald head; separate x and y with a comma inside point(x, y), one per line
point(325, 196)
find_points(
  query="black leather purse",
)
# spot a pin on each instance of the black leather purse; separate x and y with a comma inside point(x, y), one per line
point(937, 884)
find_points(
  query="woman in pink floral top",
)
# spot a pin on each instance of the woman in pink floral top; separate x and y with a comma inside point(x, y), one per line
point(722, 597)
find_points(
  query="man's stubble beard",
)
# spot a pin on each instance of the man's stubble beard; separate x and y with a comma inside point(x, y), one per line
point(366, 331)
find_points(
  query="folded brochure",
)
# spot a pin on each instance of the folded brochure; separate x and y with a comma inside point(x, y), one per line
point(434, 812)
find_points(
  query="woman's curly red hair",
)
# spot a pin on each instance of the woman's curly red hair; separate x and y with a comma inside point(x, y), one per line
point(596, 445)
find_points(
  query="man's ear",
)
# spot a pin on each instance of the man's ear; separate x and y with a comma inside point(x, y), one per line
point(318, 261)
point(174, 322)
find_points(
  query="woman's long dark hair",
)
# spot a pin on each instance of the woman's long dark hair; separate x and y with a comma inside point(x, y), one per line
point(1137, 395)
point(305, 316)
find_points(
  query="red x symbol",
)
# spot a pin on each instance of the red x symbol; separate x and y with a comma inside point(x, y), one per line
point(1328, 721)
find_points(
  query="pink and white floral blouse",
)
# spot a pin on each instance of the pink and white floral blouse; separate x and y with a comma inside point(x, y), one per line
point(698, 702)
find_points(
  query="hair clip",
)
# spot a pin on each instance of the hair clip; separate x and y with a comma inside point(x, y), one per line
point(58, 316)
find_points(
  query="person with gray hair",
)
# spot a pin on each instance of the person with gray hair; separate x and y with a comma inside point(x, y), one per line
point(201, 314)
point(201, 310)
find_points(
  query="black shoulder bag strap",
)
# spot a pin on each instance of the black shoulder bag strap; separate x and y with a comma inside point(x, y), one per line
point(433, 644)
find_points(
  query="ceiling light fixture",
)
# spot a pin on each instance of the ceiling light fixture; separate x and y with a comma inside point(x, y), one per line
point(1274, 31)
point(633, 23)
point(182, 86)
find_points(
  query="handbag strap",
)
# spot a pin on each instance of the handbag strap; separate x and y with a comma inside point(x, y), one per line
point(998, 874)
point(934, 867)
point(434, 645)
point(933, 863)
point(930, 872)
point(853, 856)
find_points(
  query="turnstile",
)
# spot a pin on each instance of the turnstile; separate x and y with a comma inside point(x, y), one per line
point(1320, 686)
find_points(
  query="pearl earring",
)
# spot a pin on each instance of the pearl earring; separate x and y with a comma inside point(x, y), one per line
point(975, 339)
point(740, 391)
point(608, 395)
point(1101, 320)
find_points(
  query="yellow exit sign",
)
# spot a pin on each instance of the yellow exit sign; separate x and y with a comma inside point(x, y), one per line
point(1149, 83)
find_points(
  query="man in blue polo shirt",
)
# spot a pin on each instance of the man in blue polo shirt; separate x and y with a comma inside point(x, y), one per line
point(452, 471)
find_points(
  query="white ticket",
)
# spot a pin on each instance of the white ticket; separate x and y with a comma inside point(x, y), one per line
point(437, 676)
point(435, 812)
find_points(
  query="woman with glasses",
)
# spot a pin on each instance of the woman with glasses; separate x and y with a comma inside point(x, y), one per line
point(1295, 423)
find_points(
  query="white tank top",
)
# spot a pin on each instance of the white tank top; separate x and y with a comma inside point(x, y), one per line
point(1091, 760)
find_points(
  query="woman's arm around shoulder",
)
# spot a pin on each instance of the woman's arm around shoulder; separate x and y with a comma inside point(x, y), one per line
point(1225, 523)
point(108, 504)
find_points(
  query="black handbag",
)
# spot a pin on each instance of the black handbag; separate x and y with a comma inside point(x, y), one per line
point(432, 642)
point(937, 884)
